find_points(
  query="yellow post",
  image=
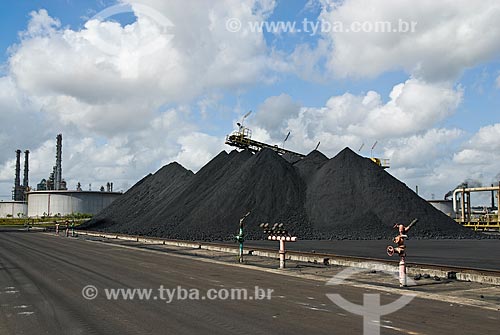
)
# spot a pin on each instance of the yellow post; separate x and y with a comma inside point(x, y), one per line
point(498, 204)
point(462, 204)
point(468, 210)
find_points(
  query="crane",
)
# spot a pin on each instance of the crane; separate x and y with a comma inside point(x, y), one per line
point(242, 138)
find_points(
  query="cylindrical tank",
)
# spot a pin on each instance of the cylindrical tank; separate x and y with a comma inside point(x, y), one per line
point(13, 209)
point(51, 203)
point(445, 206)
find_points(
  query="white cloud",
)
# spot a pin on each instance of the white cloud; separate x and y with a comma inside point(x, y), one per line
point(264, 8)
point(498, 81)
point(487, 138)
point(74, 78)
point(422, 150)
point(350, 120)
point(21, 123)
point(274, 111)
point(407, 111)
point(308, 62)
point(483, 149)
point(475, 159)
point(450, 36)
point(197, 149)
point(41, 24)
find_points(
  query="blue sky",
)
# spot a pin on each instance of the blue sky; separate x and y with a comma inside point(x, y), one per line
point(440, 120)
point(15, 15)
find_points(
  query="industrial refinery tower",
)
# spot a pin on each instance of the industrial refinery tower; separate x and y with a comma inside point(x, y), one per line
point(55, 181)
point(52, 197)
point(58, 167)
point(19, 192)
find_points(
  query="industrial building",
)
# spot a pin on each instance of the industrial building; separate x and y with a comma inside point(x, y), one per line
point(459, 207)
point(52, 197)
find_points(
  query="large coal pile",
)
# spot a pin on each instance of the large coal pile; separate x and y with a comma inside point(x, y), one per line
point(209, 204)
point(351, 197)
point(347, 196)
point(142, 200)
point(196, 207)
point(308, 166)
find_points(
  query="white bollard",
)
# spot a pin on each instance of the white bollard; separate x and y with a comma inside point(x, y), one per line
point(282, 253)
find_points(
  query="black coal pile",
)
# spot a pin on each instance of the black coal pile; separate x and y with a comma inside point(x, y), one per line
point(212, 205)
point(308, 166)
point(142, 200)
point(209, 204)
point(351, 197)
point(346, 197)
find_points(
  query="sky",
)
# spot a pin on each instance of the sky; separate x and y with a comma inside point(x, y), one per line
point(134, 85)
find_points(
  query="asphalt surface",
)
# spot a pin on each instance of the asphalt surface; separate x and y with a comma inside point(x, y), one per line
point(42, 277)
point(476, 254)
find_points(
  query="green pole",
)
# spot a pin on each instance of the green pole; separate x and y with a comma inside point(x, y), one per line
point(241, 238)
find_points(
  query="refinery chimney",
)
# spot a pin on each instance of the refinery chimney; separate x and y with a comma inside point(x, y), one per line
point(58, 168)
point(17, 180)
point(26, 170)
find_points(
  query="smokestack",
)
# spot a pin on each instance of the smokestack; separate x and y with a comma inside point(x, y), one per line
point(17, 180)
point(58, 170)
point(26, 169)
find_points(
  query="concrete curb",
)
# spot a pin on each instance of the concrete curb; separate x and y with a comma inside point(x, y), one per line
point(449, 272)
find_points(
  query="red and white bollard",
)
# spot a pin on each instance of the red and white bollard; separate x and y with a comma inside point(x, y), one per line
point(57, 228)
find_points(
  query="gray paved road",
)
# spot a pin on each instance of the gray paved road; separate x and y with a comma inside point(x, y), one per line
point(42, 276)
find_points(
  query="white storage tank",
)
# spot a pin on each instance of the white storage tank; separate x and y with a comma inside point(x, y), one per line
point(51, 203)
point(13, 209)
point(445, 206)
